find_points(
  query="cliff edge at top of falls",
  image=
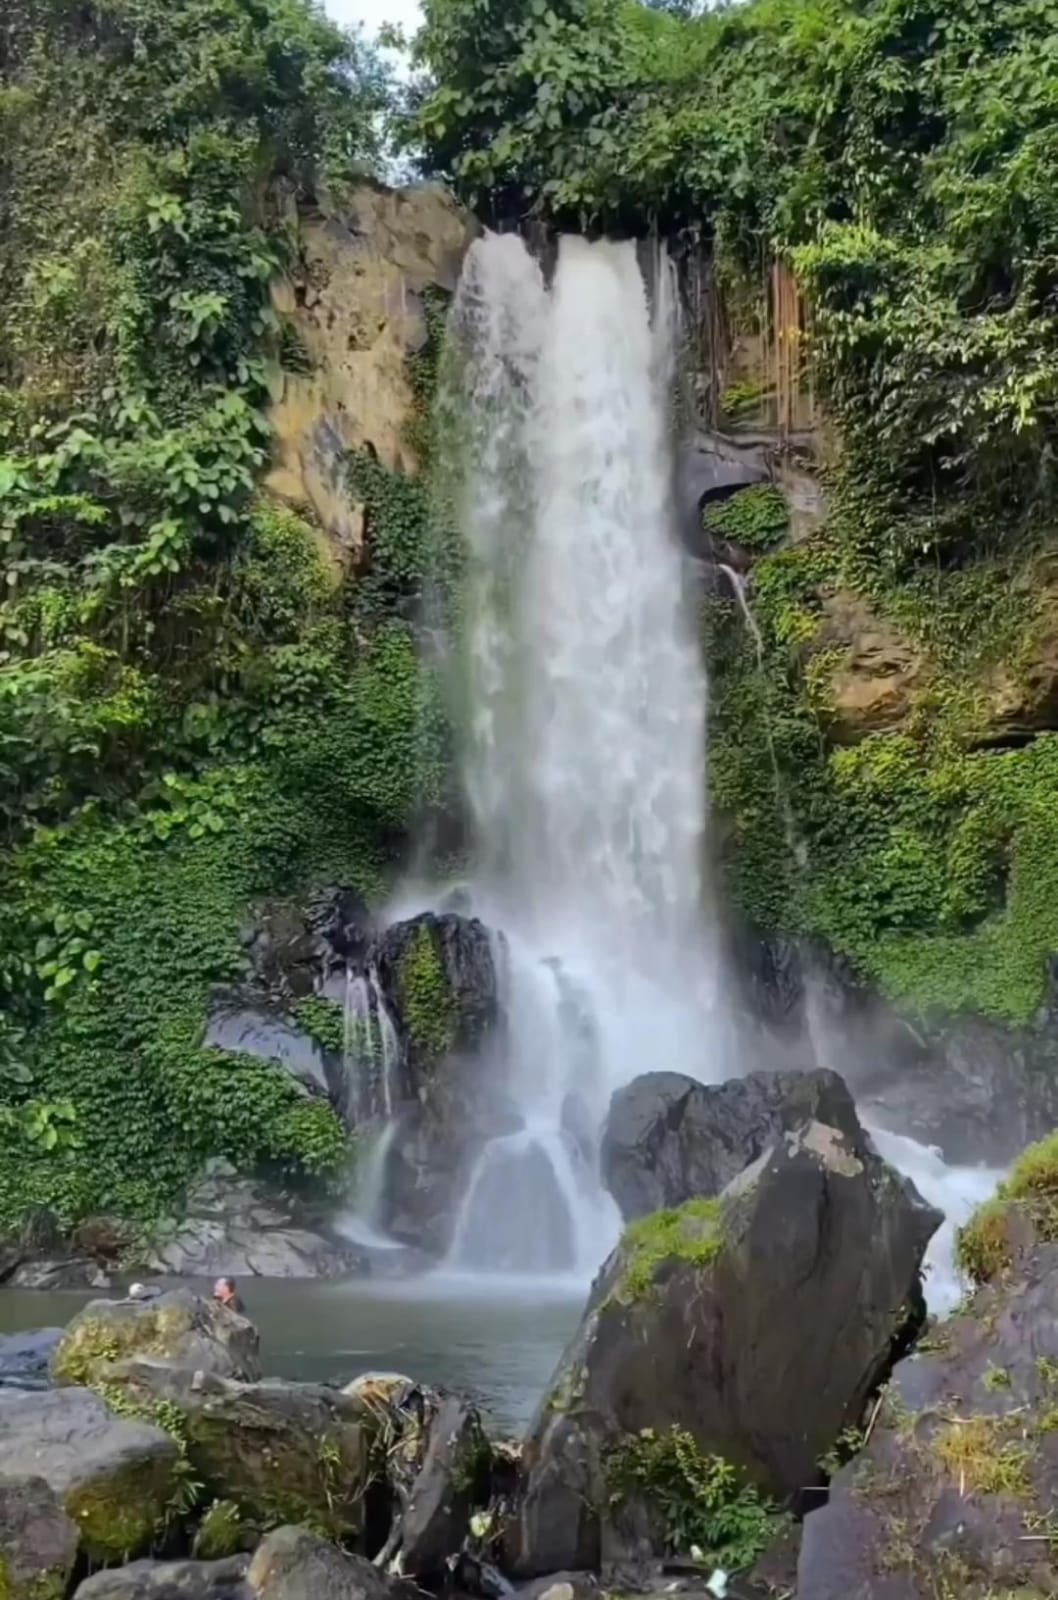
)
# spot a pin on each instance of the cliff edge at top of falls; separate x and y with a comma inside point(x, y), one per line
point(356, 299)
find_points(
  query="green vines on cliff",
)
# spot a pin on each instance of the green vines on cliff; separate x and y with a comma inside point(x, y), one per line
point(197, 706)
point(896, 158)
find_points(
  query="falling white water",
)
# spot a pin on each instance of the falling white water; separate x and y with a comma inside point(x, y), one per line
point(585, 761)
point(956, 1191)
point(372, 1057)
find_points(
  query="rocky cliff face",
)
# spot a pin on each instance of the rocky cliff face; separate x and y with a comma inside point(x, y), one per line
point(354, 309)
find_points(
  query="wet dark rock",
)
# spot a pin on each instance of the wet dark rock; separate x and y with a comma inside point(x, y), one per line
point(978, 1091)
point(760, 1323)
point(294, 1564)
point(669, 1137)
point(284, 954)
point(170, 1580)
point(246, 1026)
point(711, 467)
point(955, 1491)
point(439, 979)
point(115, 1477)
point(38, 1541)
point(341, 919)
point(24, 1358)
point(243, 1228)
point(453, 1479)
point(179, 1330)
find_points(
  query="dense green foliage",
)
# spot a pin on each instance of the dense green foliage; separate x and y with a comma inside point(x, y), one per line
point(898, 157)
point(700, 1500)
point(197, 708)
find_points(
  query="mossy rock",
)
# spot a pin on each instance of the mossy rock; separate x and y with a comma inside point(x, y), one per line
point(440, 982)
point(1023, 1211)
point(117, 1479)
point(283, 1452)
point(180, 1328)
point(38, 1541)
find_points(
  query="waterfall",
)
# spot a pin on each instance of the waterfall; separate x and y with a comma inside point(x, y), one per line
point(372, 1060)
point(584, 763)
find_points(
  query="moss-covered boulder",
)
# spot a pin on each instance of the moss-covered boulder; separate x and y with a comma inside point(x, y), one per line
point(1022, 1213)
point(756, 1323)
point(440, 984)
point(282, 1452)
point(117, 1479)
point(179, 1329)
point(38, 1541)
point(955, 1492)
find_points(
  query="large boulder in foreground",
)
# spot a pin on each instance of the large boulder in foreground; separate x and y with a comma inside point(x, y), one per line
point(296, 1452)
point(295, 1564)
point(669, 1137)
point(116, 1478)
point(759, 1322)
point(38, 1541)
point(956, 1489)
point(178, 1329)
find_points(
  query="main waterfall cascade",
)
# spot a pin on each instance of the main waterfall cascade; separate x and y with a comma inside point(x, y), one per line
point(584, 704)
point(585, 748)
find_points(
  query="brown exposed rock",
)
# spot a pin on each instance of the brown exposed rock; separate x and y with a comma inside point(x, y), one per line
point(354, 299)
point(876, 671)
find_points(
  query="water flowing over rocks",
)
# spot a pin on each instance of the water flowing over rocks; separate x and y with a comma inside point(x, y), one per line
point(758, 1322)
point(668, 1138)
point(24, 1358)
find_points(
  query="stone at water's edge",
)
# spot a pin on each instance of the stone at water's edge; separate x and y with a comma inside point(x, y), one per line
point(759, 1323)
point(167, 1580)
point(116, 1478)
point(241, 1228)
point(25, 1357)
point(669, 1137)
point(956, 1490)
point(38, 1541)
point(178, 1330)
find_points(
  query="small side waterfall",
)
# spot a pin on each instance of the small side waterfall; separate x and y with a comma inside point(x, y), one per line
point(372, 1056)
point(956, 1191)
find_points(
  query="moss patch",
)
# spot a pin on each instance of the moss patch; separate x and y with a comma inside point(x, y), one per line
point(92, 1343)
point(985, 1245)
point(689, 1233)
point(985, 1455)
point(427, 1004)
